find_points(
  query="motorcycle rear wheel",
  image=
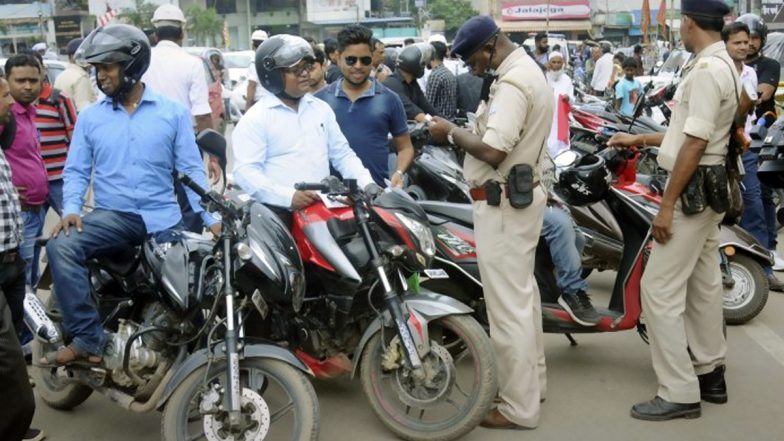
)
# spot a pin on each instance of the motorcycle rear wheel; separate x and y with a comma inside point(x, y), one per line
point(393, 404)
point(292, 398)
point(54, 390)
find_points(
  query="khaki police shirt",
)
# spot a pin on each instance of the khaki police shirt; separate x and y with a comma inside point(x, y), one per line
point(705, 104)
point(516, 119)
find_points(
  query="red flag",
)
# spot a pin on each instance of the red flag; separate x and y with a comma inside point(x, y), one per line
point(645, 20)
point(564, 108)
point(661, 18)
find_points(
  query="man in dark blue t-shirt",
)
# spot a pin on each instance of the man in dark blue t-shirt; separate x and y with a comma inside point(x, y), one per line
point(366, 111)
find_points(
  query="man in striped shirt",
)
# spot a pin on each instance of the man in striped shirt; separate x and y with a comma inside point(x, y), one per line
point(55, 122)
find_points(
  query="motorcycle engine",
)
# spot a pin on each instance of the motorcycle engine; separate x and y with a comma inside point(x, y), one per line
point(147, 351)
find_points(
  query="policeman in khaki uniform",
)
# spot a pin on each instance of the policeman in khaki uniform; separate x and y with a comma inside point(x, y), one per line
point(681, 287)
point(503, 156)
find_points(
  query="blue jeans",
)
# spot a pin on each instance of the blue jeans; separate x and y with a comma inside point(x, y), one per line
point(754, 218)
point(104, 232)
point(769, 208)
point(30, 252)
point(566, 243)
point(55, 199)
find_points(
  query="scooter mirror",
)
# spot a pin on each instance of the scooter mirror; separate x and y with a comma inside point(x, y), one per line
point(566, 159)
point(213, 143)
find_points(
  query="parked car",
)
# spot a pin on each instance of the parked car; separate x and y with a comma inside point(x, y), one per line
point(53, 67)
point(237, 63)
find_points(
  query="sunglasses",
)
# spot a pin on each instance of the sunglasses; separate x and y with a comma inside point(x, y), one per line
point(300, 69)
point(351, 60)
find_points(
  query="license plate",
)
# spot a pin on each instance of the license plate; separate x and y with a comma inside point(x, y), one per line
point(436, 273)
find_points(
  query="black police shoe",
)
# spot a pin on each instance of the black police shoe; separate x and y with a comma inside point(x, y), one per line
point(713, 388)
point(659, 409)
point(579, 307)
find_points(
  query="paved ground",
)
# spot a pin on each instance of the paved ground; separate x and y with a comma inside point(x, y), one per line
point(591, 387)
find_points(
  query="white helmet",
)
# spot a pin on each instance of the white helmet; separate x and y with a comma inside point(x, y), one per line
point(259, 35)
point(437, 37)
point(168, 15)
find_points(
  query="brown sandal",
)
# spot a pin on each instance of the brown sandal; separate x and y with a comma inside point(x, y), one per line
point(69, 355)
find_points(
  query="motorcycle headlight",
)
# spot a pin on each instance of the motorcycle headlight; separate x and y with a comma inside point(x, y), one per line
point(421, 232)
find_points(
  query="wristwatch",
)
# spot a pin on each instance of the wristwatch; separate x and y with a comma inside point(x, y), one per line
point(450, 137)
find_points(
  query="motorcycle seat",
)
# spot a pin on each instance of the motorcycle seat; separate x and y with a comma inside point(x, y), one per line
point(122, 263)
point(462, 213)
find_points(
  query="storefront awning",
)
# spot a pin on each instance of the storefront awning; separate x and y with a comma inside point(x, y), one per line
point(541, 26)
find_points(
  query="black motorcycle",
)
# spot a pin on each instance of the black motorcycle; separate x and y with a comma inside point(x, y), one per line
point(175, 321)
point(436, 172)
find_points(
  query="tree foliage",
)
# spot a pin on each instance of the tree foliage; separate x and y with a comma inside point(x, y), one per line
point(204, 25)
point(453, 12)
point(140, 15)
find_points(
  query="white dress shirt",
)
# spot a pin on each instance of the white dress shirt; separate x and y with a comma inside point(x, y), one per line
point(276, 147)
point(602, 72)
point(748, 81)
point(176, 74)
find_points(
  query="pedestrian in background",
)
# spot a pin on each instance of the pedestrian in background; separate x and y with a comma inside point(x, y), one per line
point(75, 82)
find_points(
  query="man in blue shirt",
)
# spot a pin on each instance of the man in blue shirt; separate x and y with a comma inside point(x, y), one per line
point(130, 142)
point(366, 110)
point(628, 90)
point(289, 136)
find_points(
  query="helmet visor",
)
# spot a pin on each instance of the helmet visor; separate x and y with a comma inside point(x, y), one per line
point(103, 48)
point(294, 50)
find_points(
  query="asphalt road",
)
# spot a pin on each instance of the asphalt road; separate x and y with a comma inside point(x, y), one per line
point(591, 388)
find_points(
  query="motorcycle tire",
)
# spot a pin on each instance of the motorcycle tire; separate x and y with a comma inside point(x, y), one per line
point(302, 396)
point(750, 293)
point(408, 426)
point(56, 393)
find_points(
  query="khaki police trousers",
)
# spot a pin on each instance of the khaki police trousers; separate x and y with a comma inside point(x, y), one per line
point(682, 305)
point(506, 240)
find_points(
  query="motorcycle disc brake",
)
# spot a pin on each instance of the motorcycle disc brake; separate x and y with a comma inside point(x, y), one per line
point(255, 415)
point(440, 375)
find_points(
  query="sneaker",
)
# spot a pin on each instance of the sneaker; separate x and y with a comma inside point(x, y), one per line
point(579, 307)
point(34, 435)
point(778, 262)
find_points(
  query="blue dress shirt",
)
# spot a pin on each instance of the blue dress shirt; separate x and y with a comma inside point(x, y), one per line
point(276, 147)
point(132, 157)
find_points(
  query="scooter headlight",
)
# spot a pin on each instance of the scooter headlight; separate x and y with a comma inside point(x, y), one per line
point(421, 232)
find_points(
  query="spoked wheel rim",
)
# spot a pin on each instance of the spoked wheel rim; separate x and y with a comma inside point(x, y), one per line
point(449, 393)
point(743, 289)
point(267, 409)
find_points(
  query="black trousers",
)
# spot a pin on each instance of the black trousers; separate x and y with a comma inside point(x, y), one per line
point(17, 412)
point(12, 285)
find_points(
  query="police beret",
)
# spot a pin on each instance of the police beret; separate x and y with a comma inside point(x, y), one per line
point(705, 8)
point(472, 35)
point(73, 45)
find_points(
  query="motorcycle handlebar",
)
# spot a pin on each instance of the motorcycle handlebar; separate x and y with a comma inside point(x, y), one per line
point(192, 185)
point(308, 186)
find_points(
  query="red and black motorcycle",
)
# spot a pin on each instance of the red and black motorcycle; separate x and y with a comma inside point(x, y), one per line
point(456, 271)
point(426, 366)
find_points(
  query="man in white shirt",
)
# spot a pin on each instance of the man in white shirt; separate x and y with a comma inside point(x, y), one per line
point(563, 91)
point(289, 136)
point(603, 70)
point(173, 72)
point(254, 91)
point(75, 80)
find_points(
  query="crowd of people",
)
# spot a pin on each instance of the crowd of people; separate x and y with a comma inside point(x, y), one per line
point(316, 109)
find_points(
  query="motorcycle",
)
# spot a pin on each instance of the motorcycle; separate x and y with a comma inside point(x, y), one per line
point(435, 173)
point(360, 314)
point(175, 317)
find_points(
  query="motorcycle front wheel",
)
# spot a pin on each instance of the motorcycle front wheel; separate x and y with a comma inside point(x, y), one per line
point(278, 403)
point(456, 394)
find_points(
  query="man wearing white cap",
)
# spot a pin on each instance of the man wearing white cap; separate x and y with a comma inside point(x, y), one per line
point(563, 90)
point(255, 89)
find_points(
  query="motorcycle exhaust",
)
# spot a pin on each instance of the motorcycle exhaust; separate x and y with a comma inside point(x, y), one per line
point(36, 319)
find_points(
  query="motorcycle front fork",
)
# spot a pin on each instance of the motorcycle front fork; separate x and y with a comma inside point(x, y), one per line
point(726, 274)
point(233, 395)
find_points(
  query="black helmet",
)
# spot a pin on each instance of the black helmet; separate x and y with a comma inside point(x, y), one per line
point(414, 58)
point(118, 43)
point(585, 182)
point(756, 26)
point(277, 53)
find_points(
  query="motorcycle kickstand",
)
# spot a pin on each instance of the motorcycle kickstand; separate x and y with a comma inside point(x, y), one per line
point(572, 341)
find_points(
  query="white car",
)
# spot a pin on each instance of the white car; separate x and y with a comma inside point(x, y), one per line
point(237, 63)
point(668, 71)
point(53, 67)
